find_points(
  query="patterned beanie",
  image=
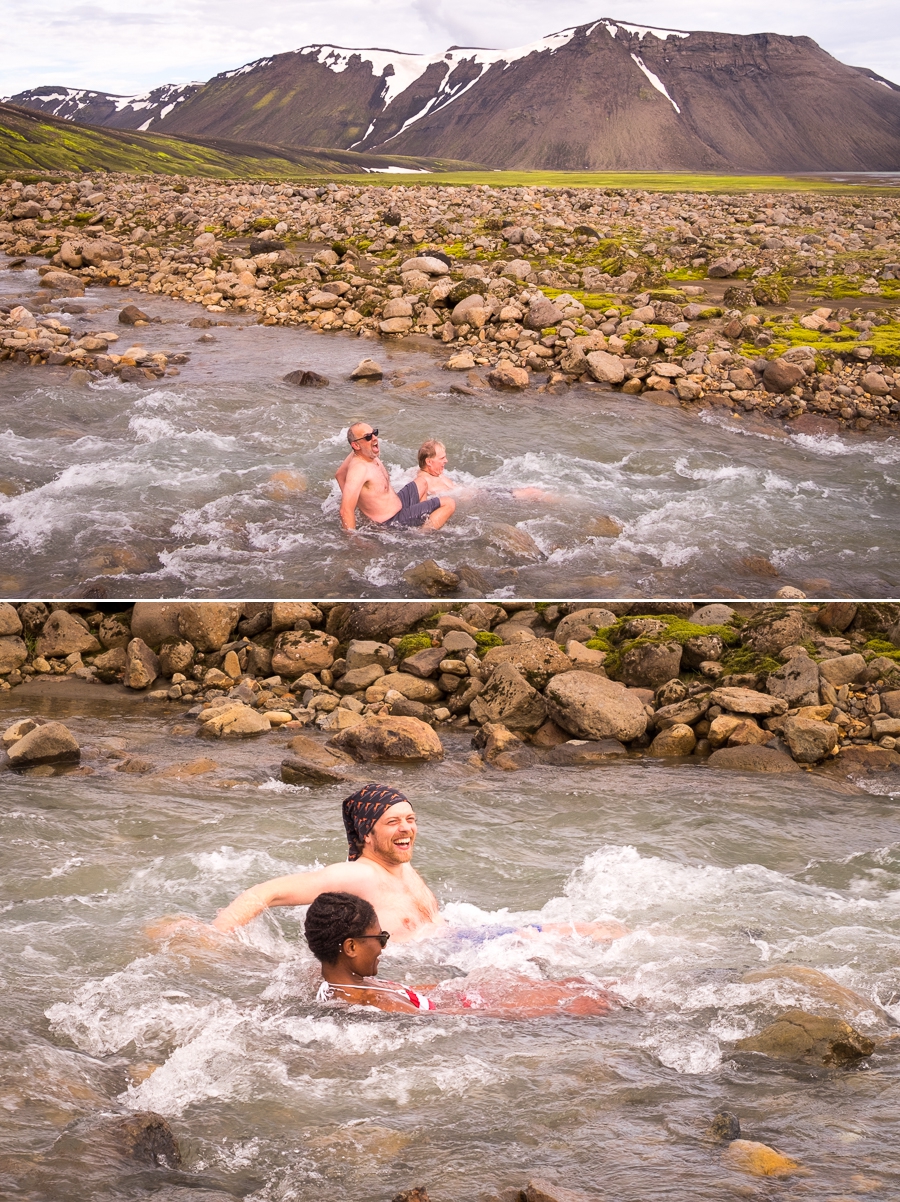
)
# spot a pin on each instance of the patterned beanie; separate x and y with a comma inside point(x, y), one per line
point(362, 810)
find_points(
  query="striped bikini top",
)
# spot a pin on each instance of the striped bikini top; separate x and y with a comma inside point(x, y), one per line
point(419, 1000)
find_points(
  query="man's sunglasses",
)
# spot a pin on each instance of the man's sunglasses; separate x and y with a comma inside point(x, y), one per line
point(366, 437)
point(382, 937)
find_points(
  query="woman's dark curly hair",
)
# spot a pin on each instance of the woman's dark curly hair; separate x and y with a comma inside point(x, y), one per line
point(332, 918)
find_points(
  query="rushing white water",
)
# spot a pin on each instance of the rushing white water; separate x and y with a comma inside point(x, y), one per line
point(219, 482)
point(717, 875)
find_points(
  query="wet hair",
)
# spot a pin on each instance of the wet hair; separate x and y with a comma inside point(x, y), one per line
point(332, 918)
point(427, 451)
point(360, 421)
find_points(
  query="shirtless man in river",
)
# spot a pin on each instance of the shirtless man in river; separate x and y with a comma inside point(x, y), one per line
point(365, 485)
point(381, 834)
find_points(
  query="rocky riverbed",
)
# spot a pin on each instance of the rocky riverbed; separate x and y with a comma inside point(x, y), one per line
point(781, 306)
point(757, 687)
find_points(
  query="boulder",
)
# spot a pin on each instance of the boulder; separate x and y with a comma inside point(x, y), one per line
point(19, 730)
point(429, 578)
point(295, 770)
point(462, 699)
point(753, 759)
point(538, 660)
point(759, 1159)
point(232, 720)
point(131, 315)
point(844, 670)
point(49, 743)
point(592, 707)
point(648, 665)
point(809, 740)
point(424, 663)
point(65, 634)
point(389, 738)
point(700, 648)
point(677, 739)
point(13, 653)
point(175, 655)
point(809, 1039)
point(377, 619)
point(681, 713)
point(747, 701)
point(110, 666)
point(155, 621)
point(774, 630)
point(286, 614)
point(33, 615)
point(414, 688)
point(508, 698)
point(10, 622)
point(797, 681)
point(113, 632)
point(207, 624)
point(507, 378)
point(836, 615)
point(577, 753)
point(138, 1138)
point(367, 369)
point(583, 624)
point(724, 1127)
point(541, 314)
point(503, 749)
point(141, 665)
point(781, 376)
point(427, 264)
point(746, 732)
point(358, 679)
point(586, 658)
point(363, 652)
point(605, 368)
point(714, 614)
point(299, 651)
point(458, 643)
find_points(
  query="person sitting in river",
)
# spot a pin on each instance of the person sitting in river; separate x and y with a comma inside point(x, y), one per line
point(344, 934)
point(365, 485)
point(381, 829)
point(432, 479)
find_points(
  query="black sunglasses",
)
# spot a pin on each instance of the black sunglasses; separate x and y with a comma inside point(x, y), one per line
point(366, 437)
point(382, 937)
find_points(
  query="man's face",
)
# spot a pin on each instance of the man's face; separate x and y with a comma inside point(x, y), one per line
point(393, 836)
point(367, 447)
point(436, 463)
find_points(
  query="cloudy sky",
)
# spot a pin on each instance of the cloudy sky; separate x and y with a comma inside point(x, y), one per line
point(127, 46)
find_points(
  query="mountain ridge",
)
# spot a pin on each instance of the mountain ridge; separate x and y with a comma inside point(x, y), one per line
point(602, 95)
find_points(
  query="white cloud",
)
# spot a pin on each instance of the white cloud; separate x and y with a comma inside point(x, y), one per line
point(122, 47)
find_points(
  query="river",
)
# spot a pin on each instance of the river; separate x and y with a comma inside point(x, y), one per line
point(716, 874)
point(218, 482)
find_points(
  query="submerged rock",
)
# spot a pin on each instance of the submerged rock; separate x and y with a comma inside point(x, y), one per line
point(49, 743)
point(759, 1159)
point(724, 1127)
point(809, 1039)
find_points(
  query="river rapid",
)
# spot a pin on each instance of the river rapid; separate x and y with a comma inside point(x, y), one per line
point(218, 482)
point(716, 874)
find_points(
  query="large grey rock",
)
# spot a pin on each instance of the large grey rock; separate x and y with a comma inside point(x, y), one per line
point(13, 653)
point(584, 752)
point(776, 629)
point(154, 621)
point(748, 701)
point(797, 681)
point(649, 665)
point(675, 740)
point(809, 1039)
point(175, 655)
point(541, 314)
point(296, 770)
point(207, 624)
point(605, 368)
point(110, 666)
point(141, 665)
point(424, 663)
point(508, 698)
point(714, 614)
point(414, 688)
point(808, 739)
point(700, 649)
point(299, 651)
point(538, 660)
point(10, 622)
point(752, 758)
point(286, 614)
point(114, 632)
point(836, 615)
point(65, 634)
point(377, 619)
point(843, 670)
point(583, 624)
point(49, 743)
point(592, 707)
point(685, 712)
point(389, 738)
point(358, 678)
point(362, 652)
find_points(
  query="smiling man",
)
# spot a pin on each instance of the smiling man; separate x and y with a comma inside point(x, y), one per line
point(365, 486)
point(381, 834)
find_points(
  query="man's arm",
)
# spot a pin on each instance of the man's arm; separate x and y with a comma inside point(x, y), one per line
point(354, 480)
point(341, 474)
point(297, 890)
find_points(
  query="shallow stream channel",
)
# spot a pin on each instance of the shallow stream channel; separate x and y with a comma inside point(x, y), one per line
point(218, 482)
point(726, 881)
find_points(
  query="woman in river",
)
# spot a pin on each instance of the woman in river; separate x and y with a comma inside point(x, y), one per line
point(345, 936)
